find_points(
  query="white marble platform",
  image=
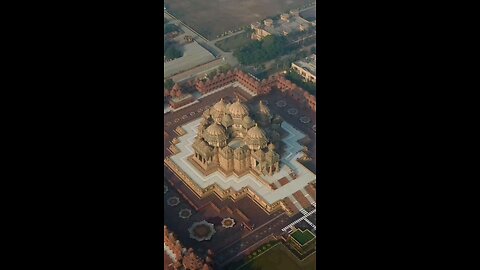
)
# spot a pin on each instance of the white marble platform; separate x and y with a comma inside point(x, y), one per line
point(293, 151)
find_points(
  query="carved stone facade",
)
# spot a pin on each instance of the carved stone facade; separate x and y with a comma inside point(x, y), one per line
point(262, 87)
point(229, 193)
point(229, 139)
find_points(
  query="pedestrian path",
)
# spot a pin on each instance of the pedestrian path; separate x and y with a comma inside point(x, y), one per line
point(309, 198)
point(304, 217)
point(295, 202)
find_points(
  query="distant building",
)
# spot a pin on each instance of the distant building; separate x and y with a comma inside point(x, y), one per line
point(287, 24)
point(307, 68)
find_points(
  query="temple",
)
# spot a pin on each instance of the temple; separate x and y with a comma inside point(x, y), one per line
point(232, 140)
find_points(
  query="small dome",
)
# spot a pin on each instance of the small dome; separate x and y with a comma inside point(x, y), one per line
point(238, 110)
point(227, 150)
point(256, 133)
point(220, 106)
point(227, 120)
point(248, 122)
point(215, 130)
point(256, 138)
point(215, 135)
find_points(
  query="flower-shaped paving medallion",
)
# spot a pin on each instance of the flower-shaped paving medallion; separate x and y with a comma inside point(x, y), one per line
point(228, 222)
point(172, 201)
point(185, 213)
point(201, 231)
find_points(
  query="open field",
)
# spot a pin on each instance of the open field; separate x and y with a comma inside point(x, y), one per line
point(230, 44)
point(280, 258)
point(193, 55)
point(214, 17)
point(309, 14)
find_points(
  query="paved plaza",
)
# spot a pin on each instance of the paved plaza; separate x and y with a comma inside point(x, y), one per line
point(232, 243)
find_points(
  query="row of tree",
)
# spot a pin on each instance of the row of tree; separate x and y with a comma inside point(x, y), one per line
point(170, 51)
point(257, 52)
point(168, 28)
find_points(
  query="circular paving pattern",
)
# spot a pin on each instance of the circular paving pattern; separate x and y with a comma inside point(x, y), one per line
point(201, 231)
point(185, 213)
point(169, 123)
point(176, 120)
point(292, 111)
point(192, 113)
point(281, 103)
point(165, 189)
point(184, 117)
point(228, 222)
point(200, 110)
point(172, 201)
point(305, 119)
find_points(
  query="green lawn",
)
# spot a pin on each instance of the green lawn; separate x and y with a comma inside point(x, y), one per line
point(280, 258)
point(303, 237)
point(232, 43)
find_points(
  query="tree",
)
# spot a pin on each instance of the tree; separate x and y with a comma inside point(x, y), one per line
point(172, 53)
point(212, 74)
point(257, 52)
point(167, 28)
point(224, 68)
point(169, 84)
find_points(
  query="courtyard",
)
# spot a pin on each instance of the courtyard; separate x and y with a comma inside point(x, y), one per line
point(183, 208)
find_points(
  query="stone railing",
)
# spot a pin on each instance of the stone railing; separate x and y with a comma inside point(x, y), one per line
point(225, 194)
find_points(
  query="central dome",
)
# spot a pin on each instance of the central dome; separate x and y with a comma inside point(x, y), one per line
point(220, 106)
point(238, 110)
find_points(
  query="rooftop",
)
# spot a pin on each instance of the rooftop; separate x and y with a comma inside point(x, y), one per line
point(309, 63)
point(193, 55)
point(280, 26)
